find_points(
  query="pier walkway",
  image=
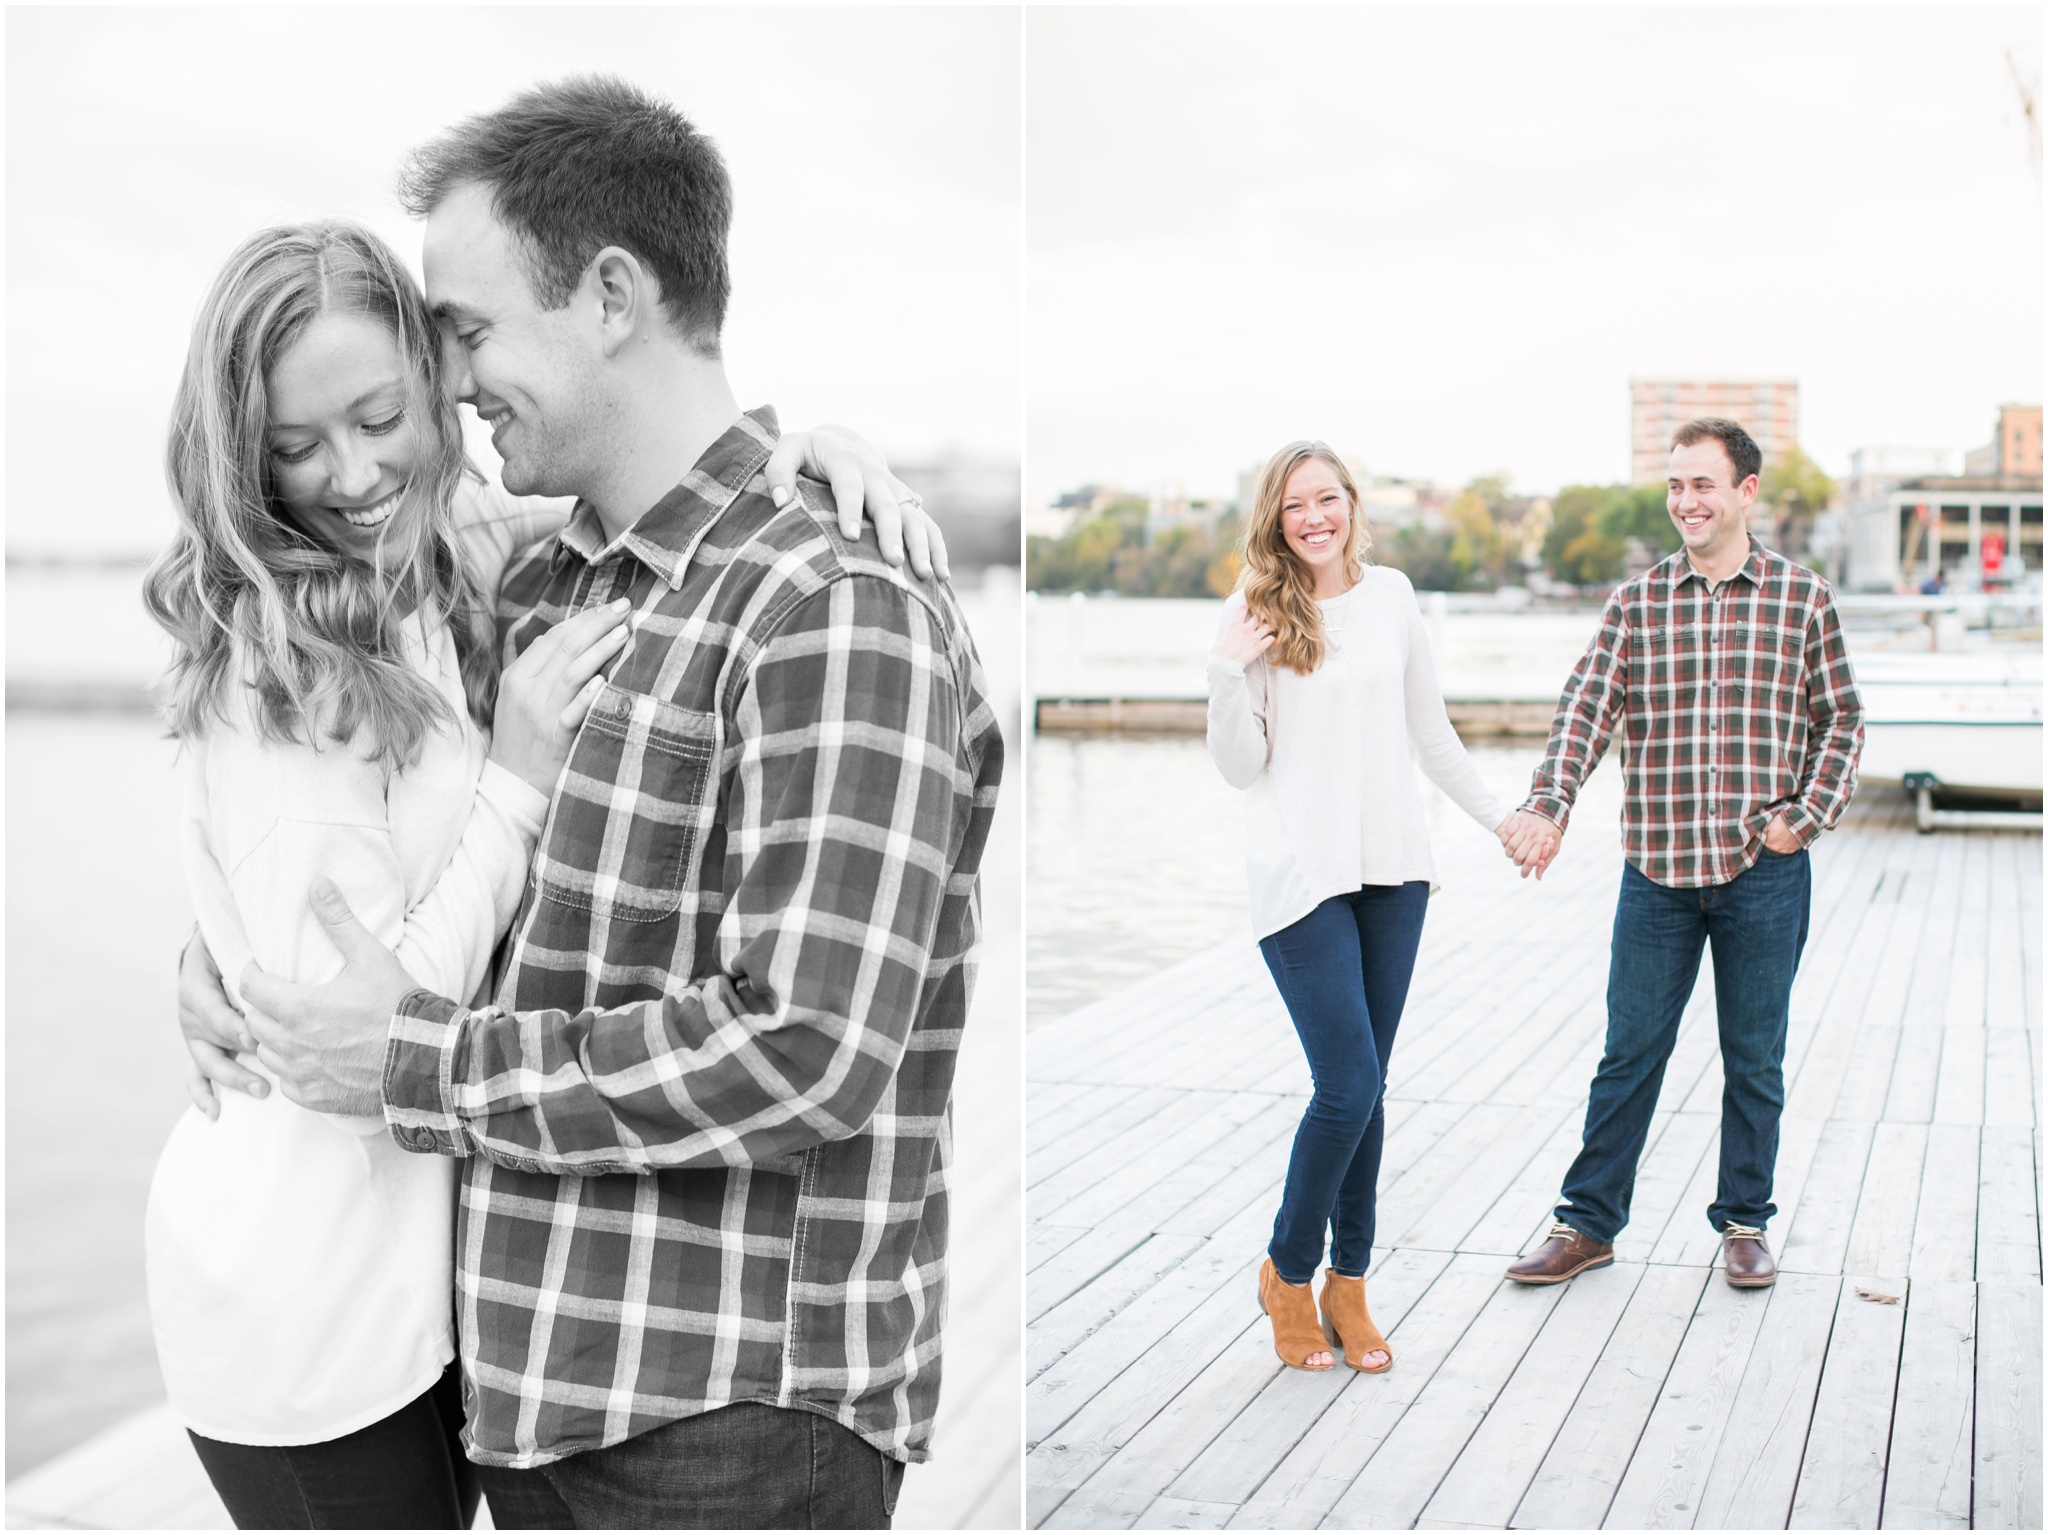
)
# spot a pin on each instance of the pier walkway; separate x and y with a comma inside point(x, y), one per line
point(1891, 1377)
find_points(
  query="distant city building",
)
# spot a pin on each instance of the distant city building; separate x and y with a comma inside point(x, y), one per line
point(1070, 508)
point(1766, 408)
point(1876, 471)
point(1396, 502)
point(1907, 521)
point(2015, 448)
point(1089, 499)
point(1169, 507)
point(1936, 528)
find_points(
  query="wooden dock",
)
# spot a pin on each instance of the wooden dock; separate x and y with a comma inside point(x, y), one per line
point(1645, 1395)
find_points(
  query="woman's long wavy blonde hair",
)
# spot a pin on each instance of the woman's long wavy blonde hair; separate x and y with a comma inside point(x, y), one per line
point(253, 602)
point(1276, 585)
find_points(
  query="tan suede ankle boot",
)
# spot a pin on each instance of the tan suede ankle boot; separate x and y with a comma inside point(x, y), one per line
point(1348, 1323)
point(1293, 1310)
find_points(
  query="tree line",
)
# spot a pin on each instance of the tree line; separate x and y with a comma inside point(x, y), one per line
point(1585, 536)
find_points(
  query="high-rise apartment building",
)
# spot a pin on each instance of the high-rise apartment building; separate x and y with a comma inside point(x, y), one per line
point(1766, 408)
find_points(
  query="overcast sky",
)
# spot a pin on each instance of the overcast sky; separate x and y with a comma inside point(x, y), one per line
point(874, 153)
point(1444, 239)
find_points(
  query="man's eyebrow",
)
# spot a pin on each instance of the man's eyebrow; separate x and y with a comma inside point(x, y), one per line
point(454, 309)
point(356, 404)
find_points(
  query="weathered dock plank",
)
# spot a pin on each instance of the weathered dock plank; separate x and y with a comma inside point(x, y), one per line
point(1575, 1485)
point(1645, 1395)
point(1841, 1480)
point(1756, 1467)
point(1928, 1470)
point(2008, 1463)
point(1661, 1488)
point(1502, 1457)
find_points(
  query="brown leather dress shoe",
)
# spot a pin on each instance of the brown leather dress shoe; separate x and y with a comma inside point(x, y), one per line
point(1750, 1264)
point(1564, 1254)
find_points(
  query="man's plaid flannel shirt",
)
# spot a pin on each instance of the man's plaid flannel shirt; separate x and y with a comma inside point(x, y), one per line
point(706, 1123)
point(1735, 703)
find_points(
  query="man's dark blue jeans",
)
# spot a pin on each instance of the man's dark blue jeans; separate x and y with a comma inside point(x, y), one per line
point(1343, 971)
point(1757, 926)
point(744, 1467)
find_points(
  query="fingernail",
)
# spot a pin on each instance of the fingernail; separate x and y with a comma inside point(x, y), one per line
point(779, 494)
point(620, 604)
point(259, 1089)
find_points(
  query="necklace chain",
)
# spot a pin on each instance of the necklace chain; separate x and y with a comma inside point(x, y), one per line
point(1331, 631)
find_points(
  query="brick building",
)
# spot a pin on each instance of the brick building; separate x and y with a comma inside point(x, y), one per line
point(1766, 408)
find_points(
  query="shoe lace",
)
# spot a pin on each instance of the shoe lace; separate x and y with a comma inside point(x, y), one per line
point(1560, 1229)
point(1732, 1230)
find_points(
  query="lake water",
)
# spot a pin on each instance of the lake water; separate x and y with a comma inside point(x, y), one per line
point(96, 913)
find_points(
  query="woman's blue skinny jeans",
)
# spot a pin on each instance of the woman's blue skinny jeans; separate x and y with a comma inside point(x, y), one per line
point(1343, 971)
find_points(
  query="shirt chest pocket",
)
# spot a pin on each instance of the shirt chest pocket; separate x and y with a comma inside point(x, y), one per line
point(1667, 660)
point(630, 812)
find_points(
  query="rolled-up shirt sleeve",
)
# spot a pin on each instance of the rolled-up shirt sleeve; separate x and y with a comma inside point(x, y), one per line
point(1591, 705)
point(842, 812)
point(1834, 741)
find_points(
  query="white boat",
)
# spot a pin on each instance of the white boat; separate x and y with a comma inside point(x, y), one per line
point(1971, 719)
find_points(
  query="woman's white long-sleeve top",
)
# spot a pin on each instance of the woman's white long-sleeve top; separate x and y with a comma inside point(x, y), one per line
point(1331, 801)
point(300, 1264)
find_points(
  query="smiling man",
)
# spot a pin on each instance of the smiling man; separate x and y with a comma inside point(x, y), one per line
point(701, 1244)
point(1724, 670)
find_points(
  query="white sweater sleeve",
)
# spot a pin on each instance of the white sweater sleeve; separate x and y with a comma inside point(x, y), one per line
point(264, 820)
point(1237, 713)
point(1436, 743)
point(492, 525)
point(451, 933)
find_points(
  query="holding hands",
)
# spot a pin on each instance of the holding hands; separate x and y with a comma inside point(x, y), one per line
point(1244, 639)
point(1530, 841)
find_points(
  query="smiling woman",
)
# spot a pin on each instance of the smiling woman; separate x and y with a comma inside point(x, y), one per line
point(314, 371)
point(328, 595)
point(342, 442)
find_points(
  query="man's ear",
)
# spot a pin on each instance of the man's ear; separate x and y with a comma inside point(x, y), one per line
point(628, 297)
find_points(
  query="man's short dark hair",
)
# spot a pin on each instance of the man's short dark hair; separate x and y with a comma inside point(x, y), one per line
point(578, 164)
point(1743, 453)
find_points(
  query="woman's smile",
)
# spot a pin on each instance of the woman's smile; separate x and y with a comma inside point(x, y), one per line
point(373, 516)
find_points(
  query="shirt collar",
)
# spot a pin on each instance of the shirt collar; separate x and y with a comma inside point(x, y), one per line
point(1751, 569)
point(668, 532)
